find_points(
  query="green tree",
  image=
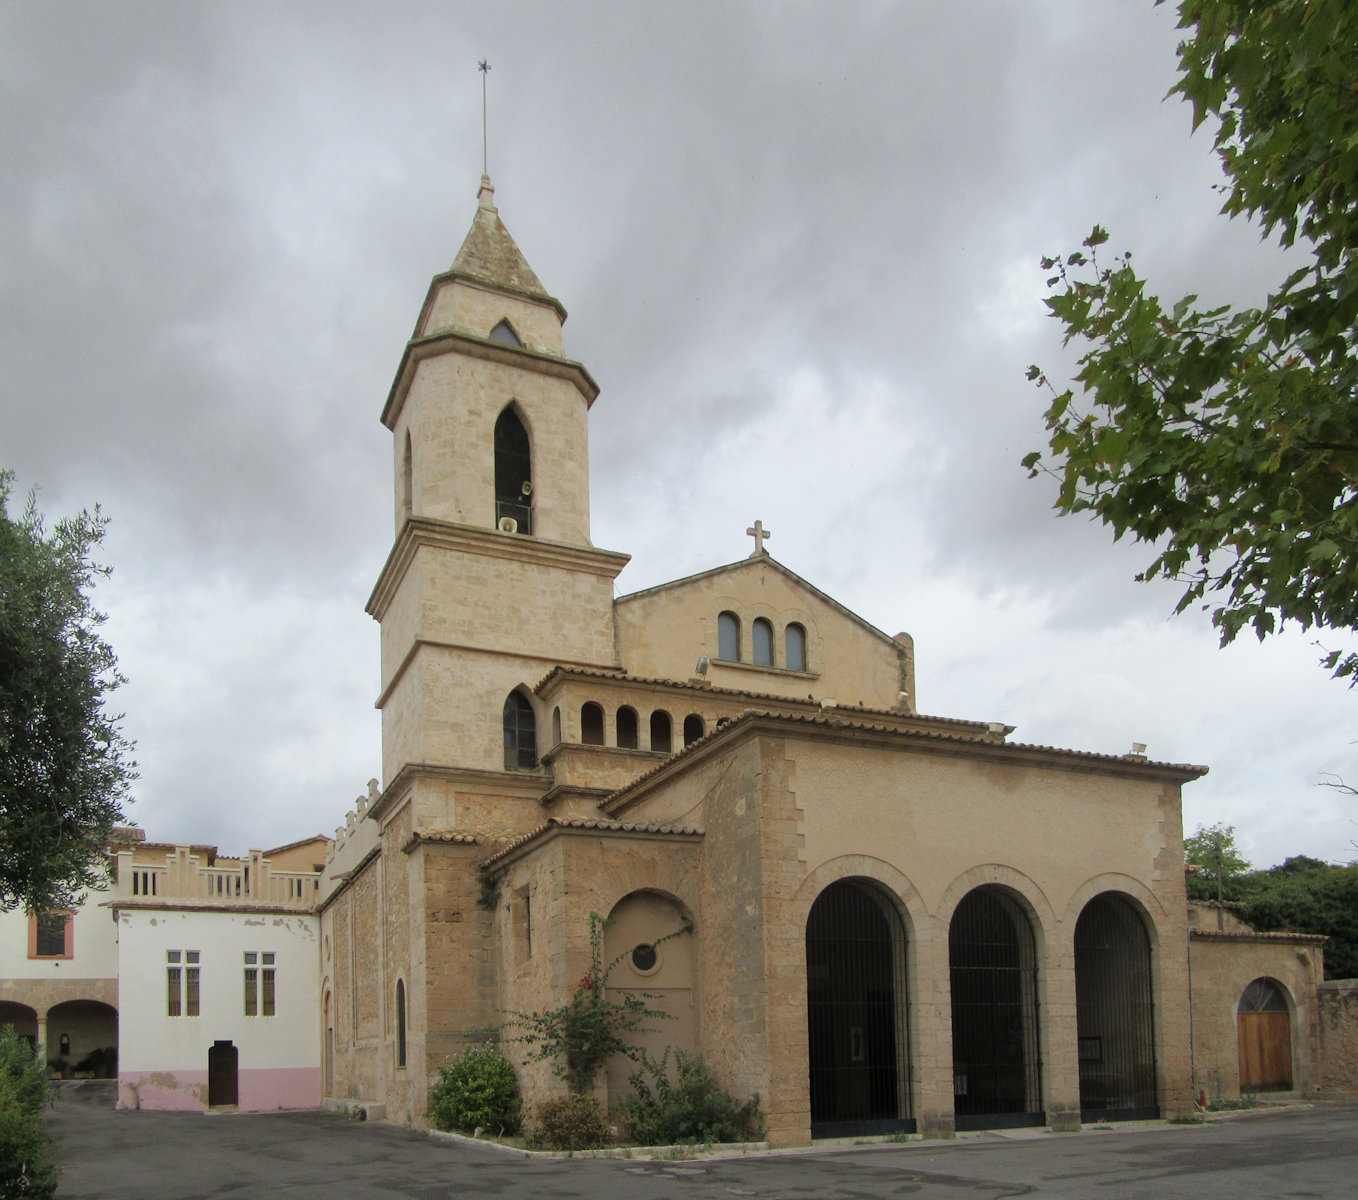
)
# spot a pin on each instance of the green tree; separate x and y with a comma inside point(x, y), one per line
point(1213, 850)
point(1305, 895)
point(1228, 438)
point(65, 767)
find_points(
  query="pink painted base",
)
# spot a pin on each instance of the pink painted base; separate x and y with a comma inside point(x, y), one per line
point(259, 1090)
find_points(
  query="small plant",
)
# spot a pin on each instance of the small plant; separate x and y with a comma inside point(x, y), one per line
point(570, 1123)
point(477, 1090)
point(692, 1108)
point(1233, 1105)
point(589, 1029)
point(26, 1168)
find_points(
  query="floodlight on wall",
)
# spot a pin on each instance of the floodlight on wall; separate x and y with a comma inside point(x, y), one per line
point(703, 664)
point(1138, 747)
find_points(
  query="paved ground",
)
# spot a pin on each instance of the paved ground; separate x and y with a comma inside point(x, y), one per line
point(301, 1156)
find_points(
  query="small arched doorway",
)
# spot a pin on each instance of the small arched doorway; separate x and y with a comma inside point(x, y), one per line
point(992, 956)
point(1263, 1029)
point(1114, 1012)
point(856, 1013)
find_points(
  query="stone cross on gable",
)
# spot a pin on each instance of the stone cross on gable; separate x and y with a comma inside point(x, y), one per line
point(759, 533)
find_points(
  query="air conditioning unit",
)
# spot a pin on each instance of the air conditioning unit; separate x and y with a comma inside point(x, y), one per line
point(508, 525)
point(527, 487)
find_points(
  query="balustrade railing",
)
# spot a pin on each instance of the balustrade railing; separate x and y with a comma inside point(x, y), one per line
point(183, 877)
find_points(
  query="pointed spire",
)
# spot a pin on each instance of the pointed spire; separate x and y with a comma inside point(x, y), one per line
point(489, 253)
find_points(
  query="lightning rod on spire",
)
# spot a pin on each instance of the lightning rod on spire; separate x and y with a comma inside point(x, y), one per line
point(484, 67)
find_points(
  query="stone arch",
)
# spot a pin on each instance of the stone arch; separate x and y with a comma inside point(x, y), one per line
point(24, 1018)
point(91, 1030)
point(995, 972)
point(1114, 958)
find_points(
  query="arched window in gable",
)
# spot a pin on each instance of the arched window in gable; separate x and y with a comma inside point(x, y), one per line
point(794, 639)
point(513, 472)
point(662, 731)
point(627, 728)
point(728, 637)
point(504, 334)
point(763, 643)
point(521, 740)
point(591, 724)
point(694, 728)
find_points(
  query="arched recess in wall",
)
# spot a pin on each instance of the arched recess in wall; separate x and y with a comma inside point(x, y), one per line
point(628, 732)
point(591, 724)
point(328, 1046)
point(794, 646)
point(1263, 1029)
point(23, 1017)
point(646, 936)
point(761, 637)
point(857, 1035)
point(556, 726)
point(400, 1023)
point(728, 637)
point(504, 334)
point(520, 733)
point(513, 471)
point(1115, 1011)
point(90, 1030)
point(997, 1064)
point(662, 731)
point(694, 728)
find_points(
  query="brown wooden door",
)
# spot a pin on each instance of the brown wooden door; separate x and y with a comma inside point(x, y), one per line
point(1265, 1040)
point(222, 1060)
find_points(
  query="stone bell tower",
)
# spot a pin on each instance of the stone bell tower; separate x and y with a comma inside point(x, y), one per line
point(492, 579)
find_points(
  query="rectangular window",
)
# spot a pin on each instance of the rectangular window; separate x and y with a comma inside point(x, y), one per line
point(49, 935)
point(259, 983)
point(181, 983)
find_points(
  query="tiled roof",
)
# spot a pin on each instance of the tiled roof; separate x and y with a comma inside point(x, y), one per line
point(1222, 935)
point(603, 826)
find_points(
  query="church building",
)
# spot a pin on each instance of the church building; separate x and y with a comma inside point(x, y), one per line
point(876, 919)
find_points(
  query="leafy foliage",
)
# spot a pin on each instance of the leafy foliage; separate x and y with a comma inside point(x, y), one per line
point(1226, 437)
point(64, 765)
point(572, 1122)
point(26, 1167)
point(1305, 895)
point(476, 1090)
point(1202, 850)
point(589, 1029)
point(692, 1108)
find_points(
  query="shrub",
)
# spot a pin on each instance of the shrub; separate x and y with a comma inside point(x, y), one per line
point(24, 1067)
point(693, 1107)
point(477, 1088)
point(570, 1123)
point(26, 1168)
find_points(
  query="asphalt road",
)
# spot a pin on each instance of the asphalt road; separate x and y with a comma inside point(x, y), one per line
point(322, 1156)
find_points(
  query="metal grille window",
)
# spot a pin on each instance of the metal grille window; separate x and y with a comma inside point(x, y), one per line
point(521, 739)
point(259, 983)
point(181, 983)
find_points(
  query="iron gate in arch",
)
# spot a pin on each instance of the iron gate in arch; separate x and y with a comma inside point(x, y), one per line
point(997, 1070)
point(856, 1013)
point(1114, 1012)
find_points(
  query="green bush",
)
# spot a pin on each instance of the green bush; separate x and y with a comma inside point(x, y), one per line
point(570, 1123)
point(476, 1089)
point(693, 1107)
point(26, 1168)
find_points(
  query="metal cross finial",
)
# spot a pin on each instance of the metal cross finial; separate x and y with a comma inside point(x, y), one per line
point(759, 533)
point(484, 67)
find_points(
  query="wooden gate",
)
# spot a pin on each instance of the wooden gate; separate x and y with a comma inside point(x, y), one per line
point(1264, 1036)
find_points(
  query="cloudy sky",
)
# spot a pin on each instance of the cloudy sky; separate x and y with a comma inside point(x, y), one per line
point(799, 244)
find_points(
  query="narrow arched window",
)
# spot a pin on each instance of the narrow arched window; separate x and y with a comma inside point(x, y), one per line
point(407, 478)
point(693, 728)
point(592, 724)
point(662, 731)
point(795, 642)
point(556, 725)
point(763, 643)
point(513, 472)
point(505, 335)
point(627, 728)
point(521, 741)
point(400, 1023)
point(728, 637)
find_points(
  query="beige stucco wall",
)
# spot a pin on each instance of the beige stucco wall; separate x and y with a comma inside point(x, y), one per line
point(663, 632)
point(1338, 1004)
point(1223, 965)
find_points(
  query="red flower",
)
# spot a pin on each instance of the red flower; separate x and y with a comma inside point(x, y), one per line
point(586, 984)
